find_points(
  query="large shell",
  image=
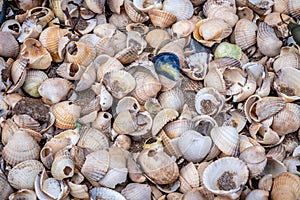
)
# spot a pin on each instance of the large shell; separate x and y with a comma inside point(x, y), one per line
point(182, 9)
point(66, 113)
point(20, 147)
point(22, 175)
point(158, 166)
point(286, 186)
point(226, 177)
point(245, 33)
point(8, 46)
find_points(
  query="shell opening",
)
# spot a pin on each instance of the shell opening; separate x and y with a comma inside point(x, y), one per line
point(45, 152)
point(151, 153)
point(226, 181)
point(73, 69)
point(67, 170)
point(14, 27)
point(105, 115)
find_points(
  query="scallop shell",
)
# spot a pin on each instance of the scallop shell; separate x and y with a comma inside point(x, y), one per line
point(286, 186)
point(33, 80)
point(105, 193)
point(226, 177)
point(96, 6)
point(23, 174)
point(161, 18)
point(9, 45)
point(63, 165)
point(119, 83)
point(12, 26)
point(158, 166)
point(80, 53)
point(162, 118)
point(266, 35)
point(135, 191)
point(54, 90)
point(182, 9)
point(20, 147)
point(66, 113)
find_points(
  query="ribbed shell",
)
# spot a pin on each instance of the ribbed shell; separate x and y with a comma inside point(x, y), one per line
point(245, 33)
point(5, 188)
point(105, 193)
point(20, 147)
point(161, 18)
point(173, 99)
point(294, 8)
point(96, 6)
point(83, 55)
point(22, 175)
point(133, 13)
point(9, 46)
point(137, 191)
point(162, 118)
point(286, 186)
point(33, 81)
point(182, 9)
point(175, 128)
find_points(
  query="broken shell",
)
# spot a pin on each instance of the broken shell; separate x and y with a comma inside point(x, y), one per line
point(162, 118)
point(63, 165)
point(30, 29)
point(87, 79)
point(133, 13)
point(96, 6)
point(105, 193)
point(103, 122)
point(33, 80)
point(123, 142)
point(189, 177)
point(80, 53)
point(175, 128)
point(23, 174)
point(258, 194)
point(156, 37)
point(135, 39)
point(66, 113)
point(226, 49)
point(173, 99)
point(128, 103)
point(54, 90)
point(6, 189)
point(226, 177)
point(266, 182)
point(294, 8)
point(161, 18)
point(70, 71)
point(10, 49)
point(135, 191)
point(274, 167)
point(182, 9)
point(78, 191)
point(158, 166)
point(194, 146)
point(286, 185)
point(128, 55)
point(43, 14)
point(146, 5)
point(105, 64)
point(292, 164)
point(12, 26)
point(183, 28)
point(20, 147)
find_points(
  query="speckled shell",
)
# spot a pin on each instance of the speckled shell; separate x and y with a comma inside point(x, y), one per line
point(9, 46)
point(158, 166)
point(66, 113)
point(20, 147)
point(22, 175)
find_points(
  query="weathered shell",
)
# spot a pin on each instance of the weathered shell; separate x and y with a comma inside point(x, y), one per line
point(175, 128)
point(96, 6)
point(6, 189)
point(173, 99)
point(87, 79)
point(286, 186)
point(211, 6)
point(80, 53)
point(78, 191)
point(294, 8)
point(226, 177)
point(189, 177)
point(63, 165)
point(105, 193)
point(161, 18)
point(158, 166)
point(266, 35)
point(30, 29)
point(9, 45)
point(33, 80)
point(266, 182)
point(162, 118)
point(274, 167)
point(291, 164)
point(133, 13)
point(43, 14)
point(66, 113)
point(182, 9)
point(12, 26)
point(183, 28)
point(194, 146)
point(20, 147)
point(23, 194)
point(70, 71)
point(22, 175)
point(128, 103)
point(128, 54)
point(156, 37)
point(146, 5)
point(136, 191)
point(258, 194)
point(54, 90)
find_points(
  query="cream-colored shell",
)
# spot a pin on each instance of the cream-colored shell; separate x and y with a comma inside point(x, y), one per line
point(63, 165)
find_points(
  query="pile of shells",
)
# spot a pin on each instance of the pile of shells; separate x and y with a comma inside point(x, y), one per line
point(150, 99)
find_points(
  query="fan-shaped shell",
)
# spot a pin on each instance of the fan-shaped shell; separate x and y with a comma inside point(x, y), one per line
point(33, 81)
point(173, 99)
point(156, 37)
point(162, 118)
point(80, 53)
point(9, 46)
point(176, 128)
point(6, 189)
point(182, 9)
point(133, 13)
point(294, 8)
point(161, 18)
point(286, 186)
point(245, 33)
point(135, 191)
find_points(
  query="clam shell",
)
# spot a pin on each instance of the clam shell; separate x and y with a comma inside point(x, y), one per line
point(6, 189)
point(33, 80)
point(286, 186)
point(173, 99)
point(133, 13)
point(194, 146)
point(23, 174)
point(23, 194)
point(183, 28)
point(158, 166)
point(146, 5)
point(8, 129)
point(226, 177)
point(266, 35)
point(182, 9)
point(87, 79)
point(291, 164)
point(127, 55)
point(176, 128)
point(105, 193)
point(161, 18)
point(12, 26)
point(54, 90)
point(63, 165)
point(27, 122)
point(190, 175)
point(162, 118)
point(289, 57)
point(138, 27)
point(51, 187)
point(156, 37)
point(266, 182)
point(136, 191)
point(20, 147)
point(78, 191)
point(119, 83)
point(9, 45)
point(258, 194)
point(136, 40)
point(105, 64)
point(66, 113)
point(80, 53)
point(211, 6)
point(128, 103)
point(96, 6)
point(274, 167)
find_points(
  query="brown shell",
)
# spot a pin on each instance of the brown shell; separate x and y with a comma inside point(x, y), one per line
point(286, 186)
point(9, 46)
point(80, 53)
point(161, 18)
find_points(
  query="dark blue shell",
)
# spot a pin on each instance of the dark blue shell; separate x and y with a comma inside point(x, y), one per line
point(168, 65)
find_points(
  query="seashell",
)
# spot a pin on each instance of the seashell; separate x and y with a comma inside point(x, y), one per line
point(96, 6)
point(26, 121)
point(63, 165)
point(23, 174)
point(236, 119)
point(226, 49)
point(123, 142)
point(135, 173)
point(115, 6)
point(294, 8)
point(219, 30)
point(211, 6)
point(208, 101)
point(33, 80)
point(226, 177)
point(87, 79)
point(6, 189)
point(183, 28)
point(103, 122)
point(30, 29)
point(277, 152)
point(23, 194)
point(173, 99)
point(138, 27)
point(133, 13)
point(43, 14)
point(92, 139)
point(161, 18)
point(56, 6)
point(120, 20)
point(274, 167)
point(291, 164)
point(66, 113)
point(49, 39)
point(12, 48)
point(286, 186)
point(156, 37)
point(119, 83)
point(80, 53)
point(128, 103)
point(52, 188)
point(167, 64)
point(128, 54)
point(162, 118)
point(14, 152)
point(170, 145)
point(266, 35)
point(152, 106)
point(289, 57)
point(258, 194)
point(135, 191)
point(146, 87)
point(102, 45)
point(266, 182)
point(266, 135)
point(54, 90)
point(105, 193)
point(176, 128)
point(158, 166)
point(226, 138)
point(135, 39)
point(182, 9)
point(18, 74)
point(70, 71)
point(274, 20)
point(228, 16)
point(280, 6)
point(147, 5)
point(189, 175)
point(105, 64)
point(78, 191)
point(26, 5)
point(12, 26)
point(8, 129)
point(245, 33)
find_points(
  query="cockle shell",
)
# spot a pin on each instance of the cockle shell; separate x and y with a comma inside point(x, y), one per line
point(78, 191)
point(23, 194)
point(161, 18)
point(211, 6)
point(80, 53)
point(286, 186)
point(27, 122)
point(245, 33)
point(105, 193)
point(87, 79)
point(96, 6)
point(33, 80)
point(135, 39)
point(226, 177)
point(289, 57)
point(135, 191)
point(70, 71)
point(66, 113)
point(258, 194)
point(104, 64)
point(23, 174)
point(146, 5)
point(183, 28)
point(43, 14)
point(182, 9)
point(294, 8)
point(156, 37)
point(128, 54)
point(54, 90)
point(63, 165)
point(173, 99)
point(158, 166)
point(10, 49)
point(128, 103)
point(189, 177)
point(162, 118)
point(175, 128)
point(6, 189)
point(30, 29)
point(133, 13)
